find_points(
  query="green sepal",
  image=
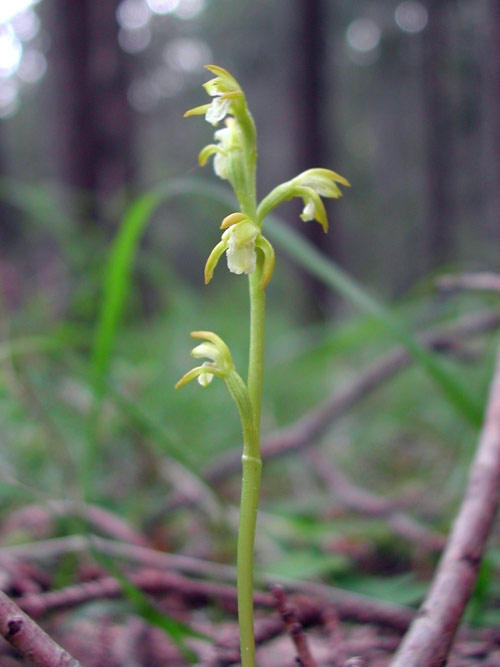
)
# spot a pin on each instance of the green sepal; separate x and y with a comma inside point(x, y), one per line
point(269, 258)
point(213, 260)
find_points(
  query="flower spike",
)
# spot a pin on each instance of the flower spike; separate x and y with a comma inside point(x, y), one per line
point(234, 152)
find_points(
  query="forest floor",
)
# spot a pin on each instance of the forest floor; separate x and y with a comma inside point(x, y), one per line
point(116, 596)
point(315, 626)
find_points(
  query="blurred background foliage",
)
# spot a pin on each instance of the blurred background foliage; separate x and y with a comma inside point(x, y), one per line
point(401, 97)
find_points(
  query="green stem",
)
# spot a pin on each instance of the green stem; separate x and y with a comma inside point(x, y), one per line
point(245, 562)
point(251, 464)
point(248, 516)
point(256, 354)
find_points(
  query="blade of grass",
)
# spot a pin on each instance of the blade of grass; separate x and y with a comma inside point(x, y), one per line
point(324, 269)
point(116, 285)
point(117, 278)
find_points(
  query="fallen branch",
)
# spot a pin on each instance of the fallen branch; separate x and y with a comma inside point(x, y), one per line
point(305, 431)
point(368, 503)
point(487, 282)
point(31, 517)
point(428, 642)
point(29, 640)
point(349, 606)
point(294, 628)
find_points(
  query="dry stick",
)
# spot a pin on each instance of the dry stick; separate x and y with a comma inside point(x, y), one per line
point(366, 502)
point(24, 635)
point(153, 582)
point(309, 428)
point(101, 520)
point(294, 627)
point(429, 639)
point(349, 606)
point(487, 282)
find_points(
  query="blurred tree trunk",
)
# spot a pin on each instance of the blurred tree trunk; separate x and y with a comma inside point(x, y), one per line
point(439, 138)
point(312, 92)
point(491, 118)
point(93, 116)
point(9, 230)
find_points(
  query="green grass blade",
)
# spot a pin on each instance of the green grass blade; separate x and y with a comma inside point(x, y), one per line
point(307, 256)
point(116, 285)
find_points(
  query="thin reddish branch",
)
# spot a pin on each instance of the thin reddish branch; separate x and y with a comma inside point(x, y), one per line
point(487, 282)
point(428, 642)
point(29, 640)
point(366, 502)
point(349, 606)
point(294, 627)
point(31, 517)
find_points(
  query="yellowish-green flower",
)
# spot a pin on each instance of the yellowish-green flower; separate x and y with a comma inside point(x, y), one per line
point(241, 241)
point(310, 186)
point(219, 362)
point(227, 139)
point(225, 90)
point(313, 184)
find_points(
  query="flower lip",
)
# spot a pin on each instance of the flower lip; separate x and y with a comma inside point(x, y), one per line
point(241, 254)
point(205, 378)
point(217, 110)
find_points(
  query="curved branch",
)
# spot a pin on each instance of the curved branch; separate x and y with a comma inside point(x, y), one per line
point(28, 639)
point(429, 639)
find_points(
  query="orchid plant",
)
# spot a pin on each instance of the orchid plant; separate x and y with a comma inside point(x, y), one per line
point(247, 252)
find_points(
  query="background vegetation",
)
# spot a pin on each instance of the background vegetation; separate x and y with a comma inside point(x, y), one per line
point(106, 221)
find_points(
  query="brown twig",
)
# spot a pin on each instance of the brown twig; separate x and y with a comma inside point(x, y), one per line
point(349, 606)
point(294, 627)
point(366, 502)
point(429, 639)
point(29, 640)
point(488, 282)
point(153, 582)
point(104, 521)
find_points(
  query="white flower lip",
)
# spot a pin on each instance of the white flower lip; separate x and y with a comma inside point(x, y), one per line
point(240, 253)
point(308, 211)
point(217, 110)
point(204, 379)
